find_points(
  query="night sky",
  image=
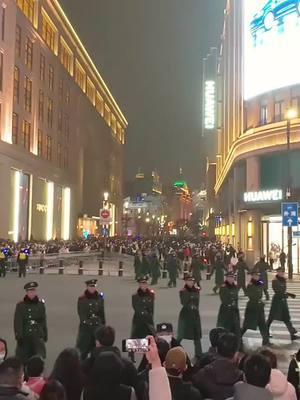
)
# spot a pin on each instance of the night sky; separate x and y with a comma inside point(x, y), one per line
point(150, 53)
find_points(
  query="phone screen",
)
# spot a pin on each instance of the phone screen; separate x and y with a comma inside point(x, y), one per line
point(136, 345)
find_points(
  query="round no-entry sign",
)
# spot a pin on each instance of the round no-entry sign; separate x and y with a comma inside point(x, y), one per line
point(105, 214)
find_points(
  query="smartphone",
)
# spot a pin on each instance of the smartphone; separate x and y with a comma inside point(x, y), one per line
point(135, 345)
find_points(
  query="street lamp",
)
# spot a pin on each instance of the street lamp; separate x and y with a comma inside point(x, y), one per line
point(291, 114)
point(105, 196)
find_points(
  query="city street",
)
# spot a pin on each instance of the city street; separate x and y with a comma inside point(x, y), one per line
point(61, 292)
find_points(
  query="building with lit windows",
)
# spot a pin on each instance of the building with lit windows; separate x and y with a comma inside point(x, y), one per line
point(260, 75)
point(62, 132)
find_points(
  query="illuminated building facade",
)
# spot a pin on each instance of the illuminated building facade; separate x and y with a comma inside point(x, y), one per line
point(260, 77)
point(62, 132)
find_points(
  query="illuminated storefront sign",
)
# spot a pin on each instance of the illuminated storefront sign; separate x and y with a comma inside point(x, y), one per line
point(210, 105)
point(271, 45)
point(263, 196)
point(41, 208)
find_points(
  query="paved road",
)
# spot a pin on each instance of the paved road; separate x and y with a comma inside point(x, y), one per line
point(61, 292)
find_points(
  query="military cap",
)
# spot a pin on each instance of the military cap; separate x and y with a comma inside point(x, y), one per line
point(91, 282)
point(164, 327)
point(280, 269)
point(31, 286)
point(143, 279)
point(229, 274)
point(189, 277)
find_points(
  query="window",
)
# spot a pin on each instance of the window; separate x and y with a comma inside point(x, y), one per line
point(59, 158)
point(80, 76)
point(27, 6)
point(68, 96)
point(18, 41)
point(66, 56)
point(60, 122)
point(263, 114)
point(66, 158)
point(28, 53)
point(91, 92)
point(15, 128)
point(278, 111)
point(99, 104)
point(67, 128)
point(16, 85)
point(42, 67)
point(60, 89)
point(40, 143)
point(50, 112)
point(1, 71)
point(113, 124)
point(295, 105)
point(51, 77)
point(107, 115)
point(49, 148)
point(28, 94)
point(3, 23)
point(41, 105)
point(49, 32)
point(26, 133)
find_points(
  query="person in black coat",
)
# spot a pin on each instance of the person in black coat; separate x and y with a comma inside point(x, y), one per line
point(293, 373)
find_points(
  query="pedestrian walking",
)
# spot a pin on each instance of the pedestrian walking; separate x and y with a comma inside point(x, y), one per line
point(196, 267)
point(255, 309)
point(30, 325)
point(154, 269)
point(282, 259)
point(90, 308)
point(229, 314)
point(279, 308)
point(137, 265)
point(189, 323)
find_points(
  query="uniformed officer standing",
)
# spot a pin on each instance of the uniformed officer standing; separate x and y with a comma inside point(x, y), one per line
point(189, 323)
point(173, 268)
point(3, 261)
point(263, 267)
point(137, 265)
point(229, 314)
point(30, 325)
point(154, 269)
point(90, 308)
point(279, 308)
point(196, 268)
point(22, 261)
point(220, 268)
point(241, 269)
point(255, 309)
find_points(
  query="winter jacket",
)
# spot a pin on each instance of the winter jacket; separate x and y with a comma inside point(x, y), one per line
point(36, 384)
point(216, 380)
point(11, 393)
point(244, 391)
point(183, 390)
point(280, 388)
point(159, 388)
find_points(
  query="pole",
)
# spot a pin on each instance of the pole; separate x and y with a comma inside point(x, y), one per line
point(288, 195)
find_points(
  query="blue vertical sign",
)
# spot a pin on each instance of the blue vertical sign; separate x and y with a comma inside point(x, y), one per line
point(289, 213)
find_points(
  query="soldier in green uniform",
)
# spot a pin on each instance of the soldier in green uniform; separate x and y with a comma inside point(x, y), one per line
point(241, 269)
point(143, 306)
point(137, 265)
point(220, 269)
point(173, 269)
point(196, 268)
point(229, 314)
point(22, 261)
point(30, 325)
point(154, 269)
point(279, 308)
point(145, 267)
point(255, 309)
point(189, 323)
point(90, 308)
point(263, 267)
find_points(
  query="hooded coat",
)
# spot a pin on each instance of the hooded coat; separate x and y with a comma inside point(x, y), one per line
point(279, 386)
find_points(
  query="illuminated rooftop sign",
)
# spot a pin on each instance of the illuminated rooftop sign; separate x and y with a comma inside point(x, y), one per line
point(210, 105)
point(263, 196)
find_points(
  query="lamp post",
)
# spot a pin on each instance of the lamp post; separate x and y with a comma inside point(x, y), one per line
point(291, 114)
point(106, 205)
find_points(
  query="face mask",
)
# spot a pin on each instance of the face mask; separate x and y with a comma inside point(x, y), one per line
point(3, 351)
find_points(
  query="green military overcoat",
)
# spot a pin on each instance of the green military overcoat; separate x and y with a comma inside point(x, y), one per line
point(229, 315)
point(241, 269)
point(142, 322)
point(189, 323)
point(279, 308)
point(255, 308)
point(263, 267)
point(219, 269)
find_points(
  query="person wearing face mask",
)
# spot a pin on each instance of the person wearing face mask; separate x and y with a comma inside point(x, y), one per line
point(90, 307)
point(189, 323)
point(30, 325)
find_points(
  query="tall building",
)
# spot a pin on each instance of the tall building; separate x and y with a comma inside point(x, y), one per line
point(62, 132)
point(256, 169)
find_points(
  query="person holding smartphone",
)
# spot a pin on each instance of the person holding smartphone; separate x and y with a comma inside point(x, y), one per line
point(143, 306)
point(189, 324)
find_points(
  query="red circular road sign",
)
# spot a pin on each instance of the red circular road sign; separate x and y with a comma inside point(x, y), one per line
point(105, 214)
